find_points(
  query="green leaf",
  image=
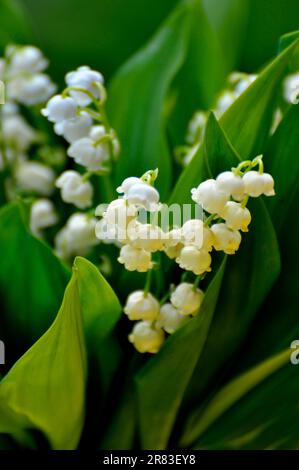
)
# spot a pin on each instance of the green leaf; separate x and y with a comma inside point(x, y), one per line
point(101, 311)
point(136, 99)
point(32, 280)
point(246, 122)
point(232, 400)
point(45, 388)
point(161, 383)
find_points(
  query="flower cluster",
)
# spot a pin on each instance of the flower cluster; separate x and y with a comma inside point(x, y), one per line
point(291, 88)
point(22, 69)
point(225, 217)
point(78, 115)
point(120, 223)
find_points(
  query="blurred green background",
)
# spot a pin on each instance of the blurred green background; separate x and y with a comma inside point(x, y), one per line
point(104, 33)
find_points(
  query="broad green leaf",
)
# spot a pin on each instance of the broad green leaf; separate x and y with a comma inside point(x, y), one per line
point(32, 280)
point(136, 98)
point(161, 383)
point(101, 311)
point(232, 400)
point(246, 122)
point(45, 389)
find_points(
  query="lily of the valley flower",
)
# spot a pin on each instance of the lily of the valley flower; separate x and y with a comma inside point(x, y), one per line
point(142, 306)
point(74, 189)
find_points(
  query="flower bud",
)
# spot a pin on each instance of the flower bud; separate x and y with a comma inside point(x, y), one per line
point(170, 319)
point(135, 259)
point(192, 259)
point(35, 177)
point(210, 196)
point(74, 190)
point(231, 184)
point(60, 109)
point(187, 299)
point(225, 239)
point(146, 338)
point(236, 216)
point(141, 306)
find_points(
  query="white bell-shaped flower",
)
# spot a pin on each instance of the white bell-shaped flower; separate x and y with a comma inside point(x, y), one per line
point(236, 216)
point(86, 78)
point(231, 184)
point(170, 319)
point(187, 299)
point(268, 185)
point(77, 237)
point(27, 59)
point(74, 190)
point(118, 216)
point(195, 260)
point(42, 215)
point(147, 236)
point(142, 306)
point(210, 196)
point(144, 195)
point(225, 239)
point(87, 153)
point(74, 129)
point(257, 184)
point(135, 259)
point(146, 338)
point(60, 108)
point(35, 177)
